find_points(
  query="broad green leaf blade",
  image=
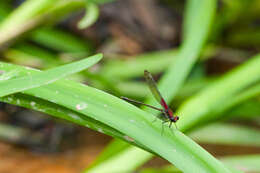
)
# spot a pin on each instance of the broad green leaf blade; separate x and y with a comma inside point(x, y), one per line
point(35, 80)
point(205, 105)
point(129, 120)
point(227, 134)
point(136, 124)
point(57, 111)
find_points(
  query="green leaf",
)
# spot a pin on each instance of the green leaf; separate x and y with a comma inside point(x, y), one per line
point(35, 80)
point(91, 15)
point(132, 153)
point(111, 150)
point(32, 13)
point(247, 110)
point(134, 123)
point(59, 112)
point(31, 55)
point(17, 18)
point(165, 169)
point(154, 62)
point(227, 134)
point(205, 105)
point(116, 151)
point(201, 13)
point(28, 9)
point(239, 98)
point(199, 17)
point(55, 39)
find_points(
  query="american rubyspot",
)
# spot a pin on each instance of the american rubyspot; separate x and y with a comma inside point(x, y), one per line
point(167, 114)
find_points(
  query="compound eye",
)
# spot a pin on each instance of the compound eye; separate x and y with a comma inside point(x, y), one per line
point(176, 118)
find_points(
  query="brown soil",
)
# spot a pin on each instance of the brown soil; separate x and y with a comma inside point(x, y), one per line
point(15, 159)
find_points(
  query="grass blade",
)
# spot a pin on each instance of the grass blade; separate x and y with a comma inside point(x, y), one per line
point(27, 10)
point(205, 105)
point(55, 39)
point(227, 134)
point(132, 153)
point(195, 35)
point(155, 62)
point(35, 80)
point(91, 15)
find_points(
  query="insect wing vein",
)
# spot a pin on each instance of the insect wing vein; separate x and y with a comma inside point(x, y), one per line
point(156, 93)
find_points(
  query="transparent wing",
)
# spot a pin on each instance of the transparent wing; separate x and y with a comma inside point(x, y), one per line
point(152, 85)
point(137, 102)
point(162, 117)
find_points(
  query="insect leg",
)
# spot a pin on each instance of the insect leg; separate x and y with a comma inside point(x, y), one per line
point(162, 130)
point(170, 124)
point(162, 126)
point(160, 116)
point(137, 102)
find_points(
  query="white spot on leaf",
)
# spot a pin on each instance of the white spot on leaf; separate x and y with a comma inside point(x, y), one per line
point(81, 106)
point(132, 121)
point(32, 103)
point(100, 130)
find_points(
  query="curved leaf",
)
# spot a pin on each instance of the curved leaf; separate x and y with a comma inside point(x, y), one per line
point(129, 120)
point(35, 80)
